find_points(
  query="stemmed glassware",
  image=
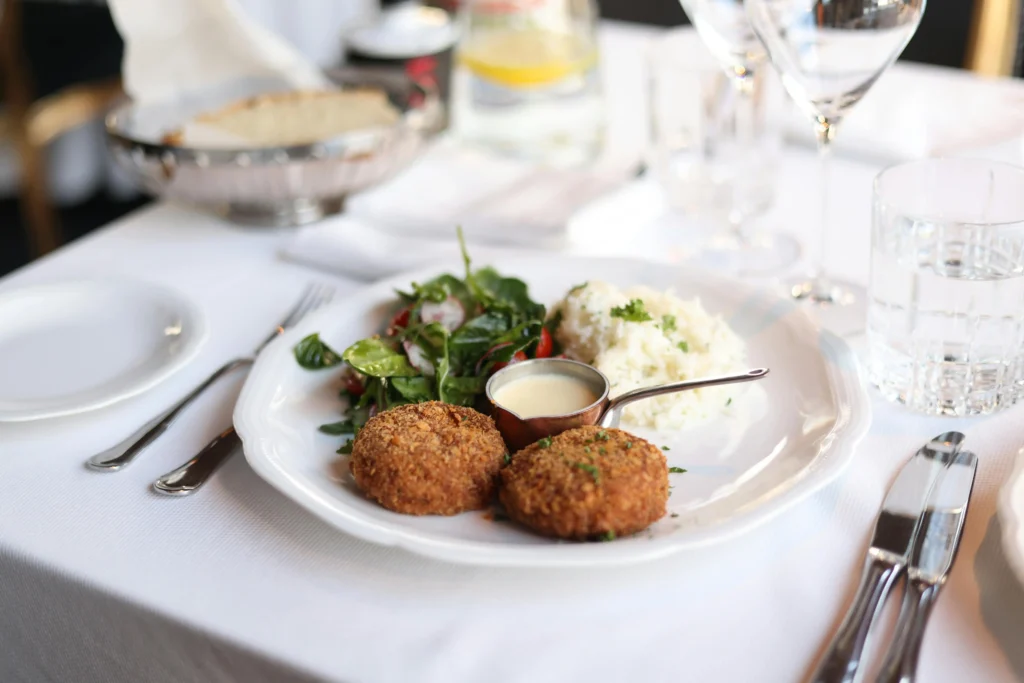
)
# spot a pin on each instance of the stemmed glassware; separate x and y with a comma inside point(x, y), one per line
point(725, 30)
point(828, 54)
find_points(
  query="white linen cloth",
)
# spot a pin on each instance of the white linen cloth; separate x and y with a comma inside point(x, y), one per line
point(103, 581)
point(189, 46)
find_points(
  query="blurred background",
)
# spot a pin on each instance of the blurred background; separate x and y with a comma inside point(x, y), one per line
point(59, 72)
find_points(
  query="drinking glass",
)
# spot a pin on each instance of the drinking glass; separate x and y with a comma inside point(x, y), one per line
point(828, 54)
point(527, 82)
point(946, 299)
point(709, 170)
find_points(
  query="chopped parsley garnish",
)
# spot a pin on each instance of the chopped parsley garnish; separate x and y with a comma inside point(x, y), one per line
point(602, 435)
point(683, 346)
point(633, 312)
point(607, 536)
point(586, 449)
point(668, 323)
point(676, 470)
point(578, 288)
point(545, 442)
point(674, 515)
point(665, 448)
point(589, 469)
point(508, 459)
point(729, 402)
point(602, 450)
point(629, 444)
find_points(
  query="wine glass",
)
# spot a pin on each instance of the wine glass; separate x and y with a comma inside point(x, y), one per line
point(828, 54)
point(725, 30)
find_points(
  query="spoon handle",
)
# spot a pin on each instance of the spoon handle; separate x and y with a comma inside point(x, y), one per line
point(611, 415)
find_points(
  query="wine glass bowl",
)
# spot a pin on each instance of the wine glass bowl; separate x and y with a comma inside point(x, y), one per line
point(830, 54)
point(726, 31)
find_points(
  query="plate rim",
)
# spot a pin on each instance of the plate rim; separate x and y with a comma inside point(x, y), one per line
point(197, 322)
point(852, 423)
point(1010, 519)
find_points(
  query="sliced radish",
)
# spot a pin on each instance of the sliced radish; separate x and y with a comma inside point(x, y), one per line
point(418, 358)
point(449, 313)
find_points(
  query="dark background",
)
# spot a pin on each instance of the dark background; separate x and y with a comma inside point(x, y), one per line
point(72, 43)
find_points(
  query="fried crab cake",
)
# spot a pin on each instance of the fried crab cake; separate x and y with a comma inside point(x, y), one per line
point(586, 483)
point(428, 459)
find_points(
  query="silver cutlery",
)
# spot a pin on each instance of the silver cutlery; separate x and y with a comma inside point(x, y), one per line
point(895, 532)
point(191, 475)
point(118, 456)
point(934, 552)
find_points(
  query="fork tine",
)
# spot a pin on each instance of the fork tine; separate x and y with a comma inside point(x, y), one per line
point(296, 310)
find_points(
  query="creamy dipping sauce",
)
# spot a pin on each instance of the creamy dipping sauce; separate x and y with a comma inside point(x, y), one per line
point(545, 395)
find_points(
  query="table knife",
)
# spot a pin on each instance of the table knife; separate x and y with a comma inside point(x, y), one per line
point(887, 558)
point(937, 542)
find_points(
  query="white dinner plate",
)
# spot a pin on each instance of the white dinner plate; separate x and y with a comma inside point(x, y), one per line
point(77, 346)
point(1010, 507)
point(795, 433)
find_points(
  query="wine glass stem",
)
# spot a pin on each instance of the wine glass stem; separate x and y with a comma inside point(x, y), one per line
point(824, 131)
point(746, 136)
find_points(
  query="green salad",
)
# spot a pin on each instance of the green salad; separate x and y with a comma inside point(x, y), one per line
point(445, 339)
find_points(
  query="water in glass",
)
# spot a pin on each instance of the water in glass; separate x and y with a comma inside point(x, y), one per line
point(946, 302)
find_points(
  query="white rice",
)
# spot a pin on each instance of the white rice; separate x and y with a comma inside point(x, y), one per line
point(640, 354)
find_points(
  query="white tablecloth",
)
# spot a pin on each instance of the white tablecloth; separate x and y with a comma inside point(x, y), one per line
point(102, 580)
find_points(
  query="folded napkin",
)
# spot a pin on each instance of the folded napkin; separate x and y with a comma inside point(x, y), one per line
point(172, 48)
point(496, 200)
point(355, 249)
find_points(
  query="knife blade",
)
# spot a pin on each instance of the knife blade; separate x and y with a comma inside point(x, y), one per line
point(942, 525)
point(893, 539)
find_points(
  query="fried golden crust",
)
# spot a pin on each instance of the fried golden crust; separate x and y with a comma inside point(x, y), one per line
point(428, 459)
point(589, 482)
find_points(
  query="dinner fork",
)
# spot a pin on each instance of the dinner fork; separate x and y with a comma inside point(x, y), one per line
point(190, 476)
point(118, 456)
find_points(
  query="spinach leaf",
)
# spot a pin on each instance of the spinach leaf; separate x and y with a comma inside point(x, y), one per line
point(375, 358)
point(313, 354)
point(413, 389)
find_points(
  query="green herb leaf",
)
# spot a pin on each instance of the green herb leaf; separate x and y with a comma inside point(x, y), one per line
point(578, 288)
point(633, 312)
point(665, 448)
point(676, 470)
point(729, 402)
point(414, 389)
point(313, 354)
point(668, 323)
point(589, 469)
point(346, 448)
point(602, 450)
point(373, 357)
point(586, 449)
point(683, 346)
point(602, 435)
point(545, 442)
point(629, 444)
point(337, 428)
point(607, 536)
point(508, 459)
point(674, 515)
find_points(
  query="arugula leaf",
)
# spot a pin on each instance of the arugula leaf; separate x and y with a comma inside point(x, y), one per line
point(633, 312)
point(313, 354)
point(414, 389)
point(336, 428)
point(373, 357)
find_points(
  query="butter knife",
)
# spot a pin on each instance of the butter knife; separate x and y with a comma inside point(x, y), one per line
point(942, 524)
point(887, 558)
